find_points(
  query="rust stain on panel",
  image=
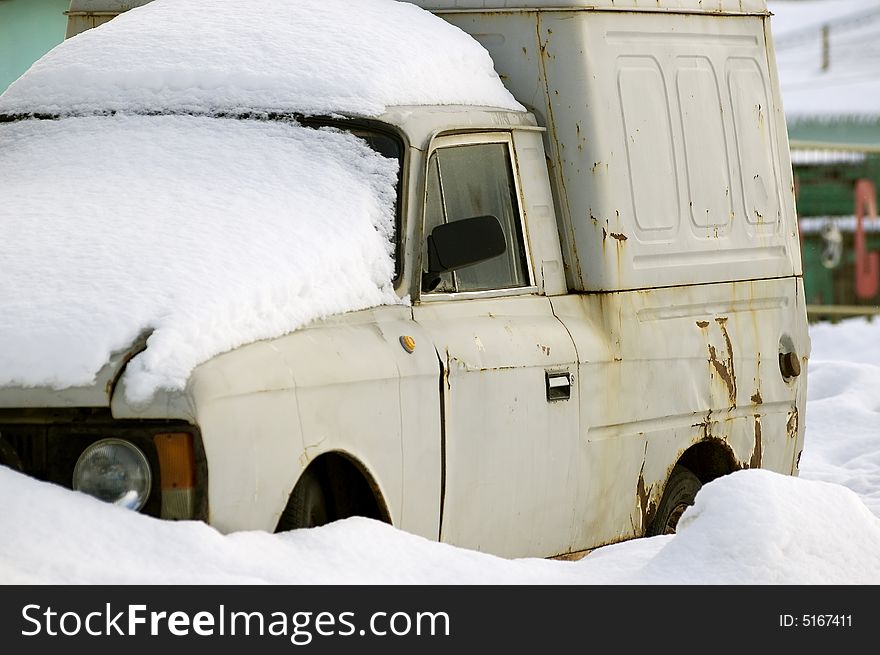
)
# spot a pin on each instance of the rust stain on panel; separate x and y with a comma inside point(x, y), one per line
point(724, 367)
point(618, 236)
point(791, 425)
point(646, 506)
point(642, 497)
point(758, 451)
point(702, 324)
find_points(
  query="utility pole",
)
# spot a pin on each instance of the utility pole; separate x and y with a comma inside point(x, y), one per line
point(826, 47)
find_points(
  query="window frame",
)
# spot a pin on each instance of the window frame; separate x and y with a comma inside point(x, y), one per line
point(451, 141)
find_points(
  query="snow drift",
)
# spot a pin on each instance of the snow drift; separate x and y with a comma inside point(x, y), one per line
point(752, 527)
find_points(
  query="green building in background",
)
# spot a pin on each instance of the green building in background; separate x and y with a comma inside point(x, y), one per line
point(28, 30)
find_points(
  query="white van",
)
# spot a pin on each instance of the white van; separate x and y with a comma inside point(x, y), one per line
point(606, 309)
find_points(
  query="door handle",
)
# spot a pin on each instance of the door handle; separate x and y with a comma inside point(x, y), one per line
point(558, 385)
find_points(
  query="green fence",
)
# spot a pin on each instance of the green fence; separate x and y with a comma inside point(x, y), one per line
point(826, 189)
point(28, 30)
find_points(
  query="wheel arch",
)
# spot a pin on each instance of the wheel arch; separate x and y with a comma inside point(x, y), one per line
point(709, 459)
point(349, 483)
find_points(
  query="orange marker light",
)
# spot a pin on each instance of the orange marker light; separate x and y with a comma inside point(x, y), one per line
point(177, 470)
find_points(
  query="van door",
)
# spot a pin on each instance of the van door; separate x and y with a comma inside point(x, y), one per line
point(509, 369)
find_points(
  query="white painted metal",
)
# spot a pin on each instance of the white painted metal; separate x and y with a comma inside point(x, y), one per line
point(509, 452)
point(344, 384)
point(506, 446)
point(664, 369)
point(667, 140)
point(692, 6)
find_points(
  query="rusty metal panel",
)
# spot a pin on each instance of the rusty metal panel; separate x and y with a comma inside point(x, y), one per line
point(83, 15)
point(663, 370)
point(78, 23)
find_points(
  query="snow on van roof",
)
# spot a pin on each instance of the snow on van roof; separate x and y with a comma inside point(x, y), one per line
point(308, 56)
point(213, 232)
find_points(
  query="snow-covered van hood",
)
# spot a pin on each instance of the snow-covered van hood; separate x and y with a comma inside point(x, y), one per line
point(209, 232)
point(97, 394)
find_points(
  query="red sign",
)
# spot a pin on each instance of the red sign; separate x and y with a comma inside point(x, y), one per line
point(867, 263)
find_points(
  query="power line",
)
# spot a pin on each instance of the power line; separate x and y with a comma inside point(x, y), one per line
point(837, 25)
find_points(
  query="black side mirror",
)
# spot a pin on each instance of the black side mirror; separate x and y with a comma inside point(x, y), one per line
point(463, 243)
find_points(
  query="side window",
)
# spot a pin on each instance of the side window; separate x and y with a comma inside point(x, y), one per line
point(477, 180)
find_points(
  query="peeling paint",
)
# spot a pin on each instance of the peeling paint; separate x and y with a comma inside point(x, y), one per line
point(618, 236)
point(791, 425)
point(702, 324)
point(756, 397)
point(758, 450)
point(646, 506)
point(724, 367)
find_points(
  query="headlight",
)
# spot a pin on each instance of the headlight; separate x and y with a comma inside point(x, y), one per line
point(114, 471)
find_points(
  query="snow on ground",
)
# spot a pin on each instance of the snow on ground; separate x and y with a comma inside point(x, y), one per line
point(851, 86)
point(308, 56)
point(843, 409)
point(751, 527)
point(187, 225)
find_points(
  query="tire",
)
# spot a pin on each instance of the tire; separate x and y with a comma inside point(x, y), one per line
point(309, 505)
point(680, 492)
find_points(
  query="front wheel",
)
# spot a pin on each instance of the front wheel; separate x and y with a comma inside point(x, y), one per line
point(308, 506)
point(681, 490)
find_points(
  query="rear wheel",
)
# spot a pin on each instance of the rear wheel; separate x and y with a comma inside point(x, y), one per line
point(681, 490)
